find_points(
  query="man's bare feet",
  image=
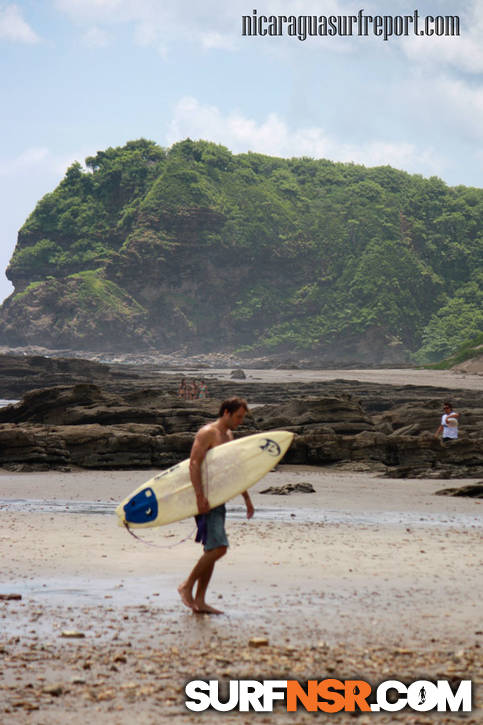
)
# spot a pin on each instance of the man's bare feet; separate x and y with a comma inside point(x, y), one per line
point(204, 608)
point(187, 597)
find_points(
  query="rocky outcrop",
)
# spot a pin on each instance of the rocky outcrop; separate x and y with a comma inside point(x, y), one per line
point(417, 417)
point(37, 447)
point(86, 426)
point(340, 415)
point(21, 373)
point(85, 404)
point(288, 488)
point(472, 490)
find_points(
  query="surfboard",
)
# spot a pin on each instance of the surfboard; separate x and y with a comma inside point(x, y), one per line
point(227, 470)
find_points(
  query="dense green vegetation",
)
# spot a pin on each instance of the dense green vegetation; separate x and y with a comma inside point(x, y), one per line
point(470, 349)
point(195, 246)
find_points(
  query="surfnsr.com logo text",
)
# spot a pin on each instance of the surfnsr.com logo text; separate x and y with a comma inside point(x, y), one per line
point(329, 695)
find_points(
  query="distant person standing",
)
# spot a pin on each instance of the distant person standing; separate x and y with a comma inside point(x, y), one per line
point(203, 391)
point(182, 389)
point(449, 424)
point(193, 390)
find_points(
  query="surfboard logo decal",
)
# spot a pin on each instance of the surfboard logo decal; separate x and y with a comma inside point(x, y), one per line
point(271, 447)
point(141, 508)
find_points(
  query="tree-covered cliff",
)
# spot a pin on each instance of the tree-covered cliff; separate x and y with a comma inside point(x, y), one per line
point(194, 246)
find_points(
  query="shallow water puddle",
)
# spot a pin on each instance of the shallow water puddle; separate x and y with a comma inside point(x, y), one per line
point(56, 506)
point(273, 514)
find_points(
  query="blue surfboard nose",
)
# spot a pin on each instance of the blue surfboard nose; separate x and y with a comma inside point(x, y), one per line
point(141, 508)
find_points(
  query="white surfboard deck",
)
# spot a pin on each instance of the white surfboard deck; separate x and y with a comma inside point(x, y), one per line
point(227, 471)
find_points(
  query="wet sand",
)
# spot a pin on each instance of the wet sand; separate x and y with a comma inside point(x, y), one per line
point(367, 577)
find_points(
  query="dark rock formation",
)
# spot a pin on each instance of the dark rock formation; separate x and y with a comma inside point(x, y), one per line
point(83, 425)
point(473, 490)
point(341, 415)
point(37, 447)
point(84, 404)
point(132, 417)
point(416, 417)
point(21, 373)
point(288, 488)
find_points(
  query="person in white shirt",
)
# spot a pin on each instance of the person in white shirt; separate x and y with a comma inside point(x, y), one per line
point(449, 424)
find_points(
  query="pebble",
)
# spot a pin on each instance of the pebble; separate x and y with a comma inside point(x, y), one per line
point(258, 642)
point(55, 690)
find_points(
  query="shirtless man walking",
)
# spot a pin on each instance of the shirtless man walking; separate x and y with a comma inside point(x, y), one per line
point(211, 523)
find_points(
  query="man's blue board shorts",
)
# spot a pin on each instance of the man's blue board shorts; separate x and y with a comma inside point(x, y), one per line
point(211, 528)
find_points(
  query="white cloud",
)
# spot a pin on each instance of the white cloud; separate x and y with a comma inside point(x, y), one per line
point(274, 137)
point(460, 104)
point(29, 158)
point(41, 160)
point(211, 24)
point(446, 107)
point(95, 37)
point(13, 27)
point(217, 40)
point(462, 53)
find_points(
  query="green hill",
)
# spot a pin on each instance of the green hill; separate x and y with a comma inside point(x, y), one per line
point(195, 247)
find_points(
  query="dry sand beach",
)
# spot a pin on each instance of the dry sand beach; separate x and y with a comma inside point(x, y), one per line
point(367, 578)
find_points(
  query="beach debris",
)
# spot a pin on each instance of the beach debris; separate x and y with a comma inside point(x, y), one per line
point(76, 680)
point(287, 488)
point(238, 374)
point(26, 705)
point(10, 597)
point(258, 642)
point(72, 634)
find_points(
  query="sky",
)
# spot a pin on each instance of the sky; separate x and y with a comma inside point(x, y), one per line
point(78, 76)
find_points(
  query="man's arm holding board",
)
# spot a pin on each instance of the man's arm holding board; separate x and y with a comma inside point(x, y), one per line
point(203, 442)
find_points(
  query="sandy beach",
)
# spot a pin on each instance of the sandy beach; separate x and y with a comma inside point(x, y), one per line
point(367, 576)
point(450, 379)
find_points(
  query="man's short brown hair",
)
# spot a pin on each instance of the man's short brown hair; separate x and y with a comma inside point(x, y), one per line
point(231, 405)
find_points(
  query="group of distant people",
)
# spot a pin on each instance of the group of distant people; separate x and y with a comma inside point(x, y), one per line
point(193, 390)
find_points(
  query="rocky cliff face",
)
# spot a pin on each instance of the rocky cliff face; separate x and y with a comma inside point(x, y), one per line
point(195, 248)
